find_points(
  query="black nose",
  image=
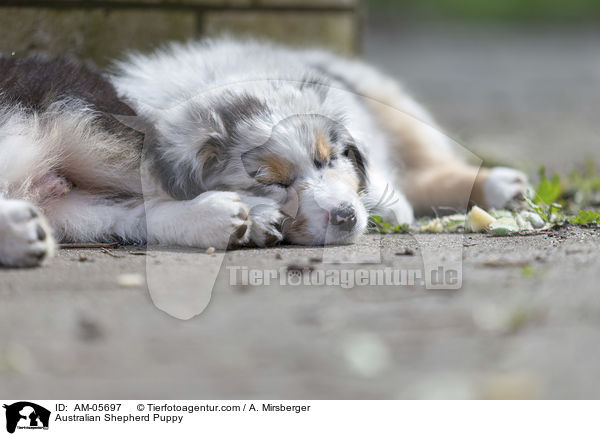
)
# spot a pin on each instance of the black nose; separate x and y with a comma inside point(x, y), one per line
point(343, 216)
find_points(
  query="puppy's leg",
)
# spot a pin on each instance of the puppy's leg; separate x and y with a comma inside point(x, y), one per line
point(213, 219)
point(443, 188)
point(25, 237)
point(266, 221)
point(433, 177)
point(80, 216)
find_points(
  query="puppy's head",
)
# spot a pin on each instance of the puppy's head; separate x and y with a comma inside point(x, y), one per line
point(284, 145)
point(315, 171)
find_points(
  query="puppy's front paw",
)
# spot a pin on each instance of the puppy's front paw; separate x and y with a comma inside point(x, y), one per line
point(25, 237)
point(505, 188)
point(232, 219)
point(266, 220)
point(216, 219)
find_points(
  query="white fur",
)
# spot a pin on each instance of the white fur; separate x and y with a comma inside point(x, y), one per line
point(21, 244)
point(200, 71)
point(504, 186)
point(385, 200)
point(116, 193)
point(192, 223)
point(265, 214)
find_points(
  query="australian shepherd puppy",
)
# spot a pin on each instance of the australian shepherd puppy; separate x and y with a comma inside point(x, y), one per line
point(219, 143)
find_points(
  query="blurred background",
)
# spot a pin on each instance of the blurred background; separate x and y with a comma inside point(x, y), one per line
point(515, 81)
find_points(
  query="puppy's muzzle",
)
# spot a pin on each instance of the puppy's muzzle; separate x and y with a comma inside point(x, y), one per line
point(343, 216)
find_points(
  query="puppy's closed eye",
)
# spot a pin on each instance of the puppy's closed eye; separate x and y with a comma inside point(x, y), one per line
point(276, 172)
point(283, 185)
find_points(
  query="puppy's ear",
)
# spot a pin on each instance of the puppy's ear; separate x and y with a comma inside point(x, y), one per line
point(353, 153)
point(186, 172)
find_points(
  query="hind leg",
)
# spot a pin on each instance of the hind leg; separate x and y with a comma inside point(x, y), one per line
point(25, 237)
point(432, 176)
point(452, 186)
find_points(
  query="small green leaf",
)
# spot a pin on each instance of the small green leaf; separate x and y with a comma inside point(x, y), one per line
point(402, 228)
point(549, 190)
point(378, 224)
point(528, 271)
point(586, 218)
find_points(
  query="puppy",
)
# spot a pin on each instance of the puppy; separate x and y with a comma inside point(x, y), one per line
point(220, 143)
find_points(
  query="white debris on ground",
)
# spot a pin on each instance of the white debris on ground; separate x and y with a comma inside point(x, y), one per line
point(534, 219)
point(511, 386)
point(478, 220)
point(494, 222)
point(366, 354)
point(433, 226)
point(16, 358)
point(504, 226)
point(131, 280)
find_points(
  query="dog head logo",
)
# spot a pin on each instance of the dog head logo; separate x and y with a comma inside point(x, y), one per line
point(26, 415)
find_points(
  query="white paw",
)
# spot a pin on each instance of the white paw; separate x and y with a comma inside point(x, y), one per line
point(266, 219)
point(213, 219)
point(25, 237)
point(504, 188)
point(228, 216)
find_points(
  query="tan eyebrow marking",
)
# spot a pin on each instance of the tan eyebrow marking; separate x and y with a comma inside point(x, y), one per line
point(276, 170)
point(323, 147)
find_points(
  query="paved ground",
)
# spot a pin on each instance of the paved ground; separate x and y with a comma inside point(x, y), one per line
point(525, 323)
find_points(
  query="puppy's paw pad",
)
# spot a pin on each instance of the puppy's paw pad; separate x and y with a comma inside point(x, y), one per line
point(243, 212)
point(266, 227)
point(240, 234)
point(505, 188)
point(266, 219)
point(232, 213)
point(25, 237)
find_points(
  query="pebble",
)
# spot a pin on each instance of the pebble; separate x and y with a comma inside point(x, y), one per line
point(132, 280)
point(512, 386)
point(366, 354)
point(534, 219)
point(504, 226)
